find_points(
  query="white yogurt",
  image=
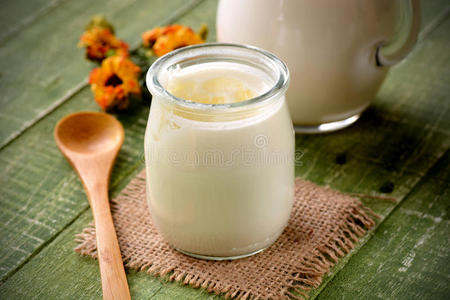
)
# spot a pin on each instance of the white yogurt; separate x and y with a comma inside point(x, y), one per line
point(220, 182)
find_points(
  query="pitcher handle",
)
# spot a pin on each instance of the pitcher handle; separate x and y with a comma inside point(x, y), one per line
point(391, 52)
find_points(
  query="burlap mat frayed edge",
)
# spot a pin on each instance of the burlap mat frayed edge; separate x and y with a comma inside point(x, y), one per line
point(314, 266)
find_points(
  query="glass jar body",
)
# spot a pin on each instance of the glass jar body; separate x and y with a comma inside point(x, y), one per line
point(220, 181)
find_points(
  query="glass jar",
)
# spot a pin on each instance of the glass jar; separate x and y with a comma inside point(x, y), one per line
point(220, 177)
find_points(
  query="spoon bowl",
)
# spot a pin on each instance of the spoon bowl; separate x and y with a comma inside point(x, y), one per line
point(89, 132)
point(90, 141)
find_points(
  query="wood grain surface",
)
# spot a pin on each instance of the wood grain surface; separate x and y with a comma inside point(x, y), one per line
point(398, 149)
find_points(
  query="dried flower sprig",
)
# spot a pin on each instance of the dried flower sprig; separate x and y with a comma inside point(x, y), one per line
point(162, 40)
point(114, 82)
point(118, 79)
point(100, 41)
point(99, 21)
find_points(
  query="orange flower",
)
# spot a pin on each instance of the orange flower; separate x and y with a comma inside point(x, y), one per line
point(165, 39)
point(100, 43)
point(114, 82)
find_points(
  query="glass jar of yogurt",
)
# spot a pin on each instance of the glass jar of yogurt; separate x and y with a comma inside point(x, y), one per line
point(219, 150)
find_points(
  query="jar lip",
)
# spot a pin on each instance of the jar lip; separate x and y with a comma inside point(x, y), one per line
point(279, 87)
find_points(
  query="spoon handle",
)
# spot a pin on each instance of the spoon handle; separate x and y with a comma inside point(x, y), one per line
point(114, 281)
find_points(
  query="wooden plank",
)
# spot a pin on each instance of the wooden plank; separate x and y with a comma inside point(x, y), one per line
point(378, 145)
point(59, 273)
point(408, 257)
point(431, 9)
point(15, 15)
point(414, 90)
point(40, 194)
point(35, 82)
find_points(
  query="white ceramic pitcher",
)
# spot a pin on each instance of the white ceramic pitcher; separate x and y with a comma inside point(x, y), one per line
point(338, 52)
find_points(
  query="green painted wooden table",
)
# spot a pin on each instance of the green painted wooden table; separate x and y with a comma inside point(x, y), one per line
point(399, 148)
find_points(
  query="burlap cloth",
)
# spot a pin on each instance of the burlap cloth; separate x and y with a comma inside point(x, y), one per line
point(323, 227)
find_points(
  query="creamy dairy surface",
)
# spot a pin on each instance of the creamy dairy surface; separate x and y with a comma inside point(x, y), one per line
point(219, 187)
point(228, 83)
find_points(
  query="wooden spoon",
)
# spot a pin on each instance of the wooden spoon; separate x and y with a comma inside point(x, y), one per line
point(90, 141)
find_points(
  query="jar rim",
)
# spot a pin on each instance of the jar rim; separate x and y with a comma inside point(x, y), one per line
point(279, 86)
